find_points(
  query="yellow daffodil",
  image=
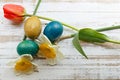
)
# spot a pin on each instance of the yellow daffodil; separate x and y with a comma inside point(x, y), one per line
point(49, 51)
point(24, 65)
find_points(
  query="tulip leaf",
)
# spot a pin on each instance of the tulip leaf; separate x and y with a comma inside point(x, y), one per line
point(77, 45)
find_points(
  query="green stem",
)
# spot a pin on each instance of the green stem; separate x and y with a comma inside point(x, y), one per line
point(50, 19)
point(64, 37)
point(69, 26)
point(74, 28)
point(36, 8)
point(108, 28)
point(113, 41)
point(24, 38)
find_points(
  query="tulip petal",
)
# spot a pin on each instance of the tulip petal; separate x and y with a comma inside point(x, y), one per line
point(14, 9)
point(14, 12)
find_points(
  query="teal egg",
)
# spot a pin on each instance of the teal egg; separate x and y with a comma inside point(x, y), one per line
point(27, 47)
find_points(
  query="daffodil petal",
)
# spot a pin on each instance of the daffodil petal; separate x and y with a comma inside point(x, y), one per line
point(11, 63)
point(55, 46)
point(27, 56)
point(59, 54)
point(33, 69)
point(51, 61)
point(43, 39)
point(59, 57)
point(55, 60)
point(24, 66)
point(40, 55)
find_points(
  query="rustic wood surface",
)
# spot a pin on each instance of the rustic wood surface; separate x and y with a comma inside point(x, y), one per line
point(104, 60)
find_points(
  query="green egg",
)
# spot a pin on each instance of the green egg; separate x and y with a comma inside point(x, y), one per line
point(27, 47)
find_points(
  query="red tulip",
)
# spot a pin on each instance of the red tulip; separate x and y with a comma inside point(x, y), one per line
point(14, 12)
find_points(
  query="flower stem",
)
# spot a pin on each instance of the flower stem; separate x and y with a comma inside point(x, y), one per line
point(114, 41)
point(36, 8)
point(69, 26)
point(50, 19)
point(64, 37)
point(74, 28)
point(108, 28)
point(25, 37)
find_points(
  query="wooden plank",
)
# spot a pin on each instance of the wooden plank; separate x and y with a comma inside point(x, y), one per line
point(96, 1)
point(104, 60)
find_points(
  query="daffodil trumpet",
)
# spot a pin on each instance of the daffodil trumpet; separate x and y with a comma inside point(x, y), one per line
point(48, 50)
point(23, 65)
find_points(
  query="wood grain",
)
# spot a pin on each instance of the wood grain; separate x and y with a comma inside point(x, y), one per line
point(104, 60)
point(96, 1)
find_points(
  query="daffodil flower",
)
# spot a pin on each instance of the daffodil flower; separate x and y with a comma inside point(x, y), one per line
point(49, 51)
point(24, 65)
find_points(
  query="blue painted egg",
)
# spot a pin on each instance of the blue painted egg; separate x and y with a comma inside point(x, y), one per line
point(53, 30)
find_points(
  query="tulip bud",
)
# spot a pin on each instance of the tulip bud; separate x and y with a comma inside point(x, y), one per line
point(91, 35)
point(14, 12)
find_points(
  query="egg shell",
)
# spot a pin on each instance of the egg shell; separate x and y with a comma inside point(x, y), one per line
point(27, 47)
point(32, 27)
point(53, 30)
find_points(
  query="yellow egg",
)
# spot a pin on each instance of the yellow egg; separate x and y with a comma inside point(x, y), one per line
point(32, 27)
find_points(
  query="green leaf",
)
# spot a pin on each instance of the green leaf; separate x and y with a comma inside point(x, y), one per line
point(78, 46)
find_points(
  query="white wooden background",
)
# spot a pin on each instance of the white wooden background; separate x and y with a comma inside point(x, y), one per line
point(104, 60)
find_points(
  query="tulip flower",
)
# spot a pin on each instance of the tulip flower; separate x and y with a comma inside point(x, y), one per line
point(14, 12)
